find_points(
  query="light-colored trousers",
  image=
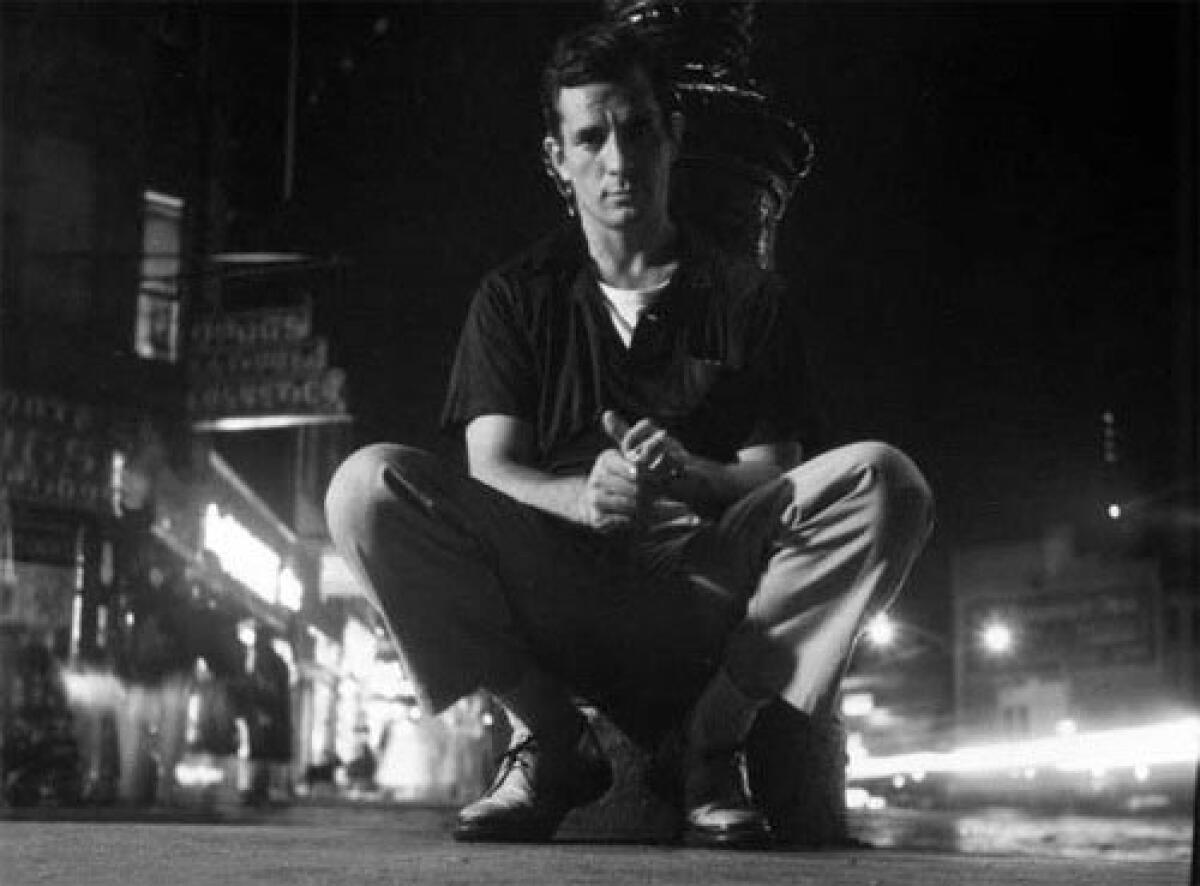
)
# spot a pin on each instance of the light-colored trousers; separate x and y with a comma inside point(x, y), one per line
point(478, 588)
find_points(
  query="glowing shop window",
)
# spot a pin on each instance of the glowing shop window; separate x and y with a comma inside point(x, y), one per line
point(326, 651)
point(291, 591)
point(156, 334)
point(358, 648)
point(242, 554)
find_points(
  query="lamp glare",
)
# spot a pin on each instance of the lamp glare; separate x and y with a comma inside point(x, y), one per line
point(998, 638)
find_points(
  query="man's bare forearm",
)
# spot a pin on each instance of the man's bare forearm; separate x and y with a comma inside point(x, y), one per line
point(706, 486)
point(709, 487)
point(619, 485)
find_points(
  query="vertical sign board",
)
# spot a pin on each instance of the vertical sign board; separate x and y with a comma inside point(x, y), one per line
point(250, 370)
point(53, 454)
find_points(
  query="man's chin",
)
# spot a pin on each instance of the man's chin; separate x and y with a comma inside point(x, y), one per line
point(622, 217)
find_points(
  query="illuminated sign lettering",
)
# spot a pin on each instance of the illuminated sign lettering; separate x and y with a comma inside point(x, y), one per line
point(242, 554)
point(260, 369)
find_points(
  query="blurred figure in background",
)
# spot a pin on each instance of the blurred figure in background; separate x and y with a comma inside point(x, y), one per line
point(360, 771)
point(151, 721)
point(264, 702)
point(39, 757)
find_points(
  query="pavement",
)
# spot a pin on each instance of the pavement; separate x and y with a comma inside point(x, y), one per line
point(356, 845)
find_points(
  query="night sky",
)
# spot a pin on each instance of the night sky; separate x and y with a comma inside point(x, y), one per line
point(992, 247)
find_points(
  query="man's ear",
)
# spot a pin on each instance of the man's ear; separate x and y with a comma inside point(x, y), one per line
point(552, 156)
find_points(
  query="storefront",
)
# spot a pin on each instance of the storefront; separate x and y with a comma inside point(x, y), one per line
point(416, 757)
point(245, 570)
point(57, 574)
point(125, 592)
point(316, 713)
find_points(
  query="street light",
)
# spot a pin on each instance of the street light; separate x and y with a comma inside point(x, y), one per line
point(998, 638)
point(881, 631)
point(884, 633)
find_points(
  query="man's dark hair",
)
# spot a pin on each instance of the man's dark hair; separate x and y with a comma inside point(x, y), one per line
point(603, 53)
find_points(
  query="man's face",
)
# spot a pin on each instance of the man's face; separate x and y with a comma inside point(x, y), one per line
point(615, 152)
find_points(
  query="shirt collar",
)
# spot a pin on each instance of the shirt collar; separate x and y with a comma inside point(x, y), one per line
point(694, 271)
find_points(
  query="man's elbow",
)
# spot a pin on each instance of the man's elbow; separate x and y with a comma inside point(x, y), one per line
point(490, 471)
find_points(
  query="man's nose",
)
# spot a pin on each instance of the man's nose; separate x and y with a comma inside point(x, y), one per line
point(616, 151)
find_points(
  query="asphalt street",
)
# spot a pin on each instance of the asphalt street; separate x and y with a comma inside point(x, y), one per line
point(389, 845)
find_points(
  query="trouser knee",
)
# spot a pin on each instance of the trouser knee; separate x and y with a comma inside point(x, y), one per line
point(364, 482)
point(893, 495)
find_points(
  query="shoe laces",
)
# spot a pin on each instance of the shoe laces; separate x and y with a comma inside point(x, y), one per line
point(519, 756)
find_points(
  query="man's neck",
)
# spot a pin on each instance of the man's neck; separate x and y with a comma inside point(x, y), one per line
point(634, 258)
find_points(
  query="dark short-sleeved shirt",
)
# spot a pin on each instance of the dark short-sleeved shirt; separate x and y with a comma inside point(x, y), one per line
point(718, 361)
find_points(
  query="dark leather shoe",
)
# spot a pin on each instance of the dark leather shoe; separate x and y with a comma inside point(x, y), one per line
point(534, 789)
point(718, 811)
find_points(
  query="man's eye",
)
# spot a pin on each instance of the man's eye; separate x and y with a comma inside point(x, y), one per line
point(592, 135)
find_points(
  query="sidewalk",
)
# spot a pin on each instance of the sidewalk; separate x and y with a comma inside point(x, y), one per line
point(361, 846)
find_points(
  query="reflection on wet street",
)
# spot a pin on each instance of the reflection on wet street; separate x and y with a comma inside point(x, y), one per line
point(1011, 831)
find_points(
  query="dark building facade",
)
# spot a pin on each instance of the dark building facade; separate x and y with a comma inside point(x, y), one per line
point(118, 585)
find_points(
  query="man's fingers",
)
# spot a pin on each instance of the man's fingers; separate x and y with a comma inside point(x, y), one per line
point(613, 464)
point(611, 508)
point(632, 440)
point(659, 459)
point(612, 488)
point(615, 426)
point(612, 522)
point(653, 448)
point(639, 435)
point(609, 502)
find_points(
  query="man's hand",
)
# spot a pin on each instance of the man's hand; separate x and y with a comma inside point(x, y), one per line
point(658, 457)
point(611, 493)
point(617, 493)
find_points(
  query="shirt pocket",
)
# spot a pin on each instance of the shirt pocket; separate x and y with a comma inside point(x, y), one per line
point(690, 385)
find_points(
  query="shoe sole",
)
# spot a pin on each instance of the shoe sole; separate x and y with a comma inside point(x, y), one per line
point(730, 838)
point(469, 834)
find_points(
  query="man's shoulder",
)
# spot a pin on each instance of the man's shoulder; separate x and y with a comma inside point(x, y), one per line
point(549, 258)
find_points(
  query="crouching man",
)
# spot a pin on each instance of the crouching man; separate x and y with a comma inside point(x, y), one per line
point(646, 523)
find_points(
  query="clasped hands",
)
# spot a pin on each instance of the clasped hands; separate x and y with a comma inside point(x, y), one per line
point(622, 480)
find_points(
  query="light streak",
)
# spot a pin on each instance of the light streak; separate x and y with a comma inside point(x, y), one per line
point(93, 688)
point(857, 704)
point(199, 774)
point(1172, 742)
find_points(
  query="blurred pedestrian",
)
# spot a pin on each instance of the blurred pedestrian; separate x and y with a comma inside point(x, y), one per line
point(151, 720)
point(264, 702)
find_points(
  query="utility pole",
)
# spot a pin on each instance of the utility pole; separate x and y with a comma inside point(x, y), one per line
point(289, 135)
point(5, 128)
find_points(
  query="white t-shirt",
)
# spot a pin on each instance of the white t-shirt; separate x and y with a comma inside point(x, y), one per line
point(626, 306)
